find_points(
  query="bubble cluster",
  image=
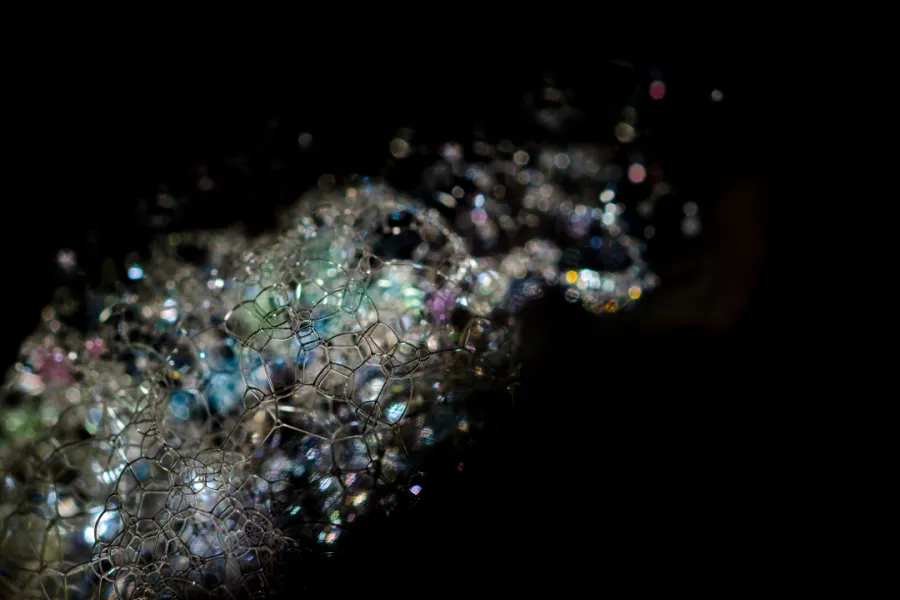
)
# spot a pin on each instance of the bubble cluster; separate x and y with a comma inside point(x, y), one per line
point(235, 401)
point(554, 213)
point(241, 399)
point(546, 216)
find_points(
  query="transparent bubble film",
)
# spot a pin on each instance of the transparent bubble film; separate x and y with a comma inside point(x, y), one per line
point(234, 401)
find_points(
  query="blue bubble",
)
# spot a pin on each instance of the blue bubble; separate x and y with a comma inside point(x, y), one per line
point(180, 404)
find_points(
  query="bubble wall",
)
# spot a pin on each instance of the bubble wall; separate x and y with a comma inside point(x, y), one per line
point(236, 401)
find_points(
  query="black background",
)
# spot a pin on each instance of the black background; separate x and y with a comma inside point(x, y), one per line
point(632, 455)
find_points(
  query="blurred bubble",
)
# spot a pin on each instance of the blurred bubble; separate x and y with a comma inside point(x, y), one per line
point(399, 148)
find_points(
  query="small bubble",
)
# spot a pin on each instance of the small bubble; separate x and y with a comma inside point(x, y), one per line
point(657, 90)
point(399, 148)
point(637, 173)
point(66, 259)
point(135, 273)
point(624, 133)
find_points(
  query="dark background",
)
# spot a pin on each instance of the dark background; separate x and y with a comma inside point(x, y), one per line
point(638, 448)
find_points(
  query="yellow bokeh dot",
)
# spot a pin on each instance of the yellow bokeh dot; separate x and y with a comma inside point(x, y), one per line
point(634, 292)
point(571, 276)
